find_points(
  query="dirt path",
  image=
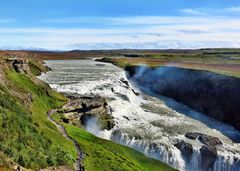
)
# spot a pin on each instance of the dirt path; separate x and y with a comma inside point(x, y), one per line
point(78, 165)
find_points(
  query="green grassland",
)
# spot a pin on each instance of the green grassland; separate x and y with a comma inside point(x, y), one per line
point(104, 155)
point(27, 137)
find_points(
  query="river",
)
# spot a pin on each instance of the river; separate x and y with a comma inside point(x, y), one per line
point(144, 121)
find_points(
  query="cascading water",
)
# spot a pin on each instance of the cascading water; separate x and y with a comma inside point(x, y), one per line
point(144, 122)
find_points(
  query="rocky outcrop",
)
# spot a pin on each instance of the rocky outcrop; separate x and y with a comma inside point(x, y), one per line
point(208, 151)
point(203, 138)
point(213, 94)
point(2, 74)
point(80, 109)
point(186, 149)
point(19, 64)
point(208, 157)
point(132, 70)
point(208, 154)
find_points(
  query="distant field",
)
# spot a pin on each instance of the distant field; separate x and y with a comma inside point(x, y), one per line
point(223, 61)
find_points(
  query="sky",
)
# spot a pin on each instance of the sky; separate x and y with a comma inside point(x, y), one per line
point(119, 24)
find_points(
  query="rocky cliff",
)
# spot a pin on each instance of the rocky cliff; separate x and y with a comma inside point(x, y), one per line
point(212, 94)
point(80, 109)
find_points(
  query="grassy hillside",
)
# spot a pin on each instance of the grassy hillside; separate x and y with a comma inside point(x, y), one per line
point(30, 140)
point(27, 137)
point(100, 154)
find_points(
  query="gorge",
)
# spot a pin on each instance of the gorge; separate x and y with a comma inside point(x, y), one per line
point(160, 127)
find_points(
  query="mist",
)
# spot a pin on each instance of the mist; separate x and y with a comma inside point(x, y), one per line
point(92, 125)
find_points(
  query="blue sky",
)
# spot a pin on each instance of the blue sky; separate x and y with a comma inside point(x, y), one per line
point(110, 24)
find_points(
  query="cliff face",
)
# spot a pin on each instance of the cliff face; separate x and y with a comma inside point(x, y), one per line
point(212, 94)
point(81, 109)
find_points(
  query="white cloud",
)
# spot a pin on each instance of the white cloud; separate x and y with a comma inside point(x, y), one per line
point(211, 11)
point(156, 45)
point(135, 32)
point(126, 21)
point(194, 11)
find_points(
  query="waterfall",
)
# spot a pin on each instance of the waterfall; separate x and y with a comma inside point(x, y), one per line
point(144, 122)
point(173, 157)
point(194, 163)
point(227, 162)
point(163, 152)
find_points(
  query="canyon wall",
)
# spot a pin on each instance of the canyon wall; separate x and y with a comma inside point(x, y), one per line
point(212, 94)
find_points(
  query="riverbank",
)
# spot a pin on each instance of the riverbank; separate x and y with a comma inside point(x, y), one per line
point(30, 138)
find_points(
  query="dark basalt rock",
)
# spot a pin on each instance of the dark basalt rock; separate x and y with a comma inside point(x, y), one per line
point(209, 140)
point(185, 148)
point(125, 82)
point(136, 93)
point(213, 94)
point(131, 70)
point(208, 157)
point(203, 138)
point(20, 65)
point(192, 135)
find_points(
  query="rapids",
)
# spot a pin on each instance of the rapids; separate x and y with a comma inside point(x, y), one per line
point(144, 121)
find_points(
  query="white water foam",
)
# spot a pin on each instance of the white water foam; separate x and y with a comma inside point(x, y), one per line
point(143, 122)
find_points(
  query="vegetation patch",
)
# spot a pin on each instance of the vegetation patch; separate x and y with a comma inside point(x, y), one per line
point(26, 136)
point(100, 154)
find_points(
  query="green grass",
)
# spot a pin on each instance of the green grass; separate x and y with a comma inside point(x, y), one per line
point(27, 137)
point(106, 155)
point(36, 68)
point(102, 155)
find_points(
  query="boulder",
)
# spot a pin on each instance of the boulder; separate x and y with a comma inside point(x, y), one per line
point(203, 138)
point(185, 148)
point(208, 157)
point(192, 135)
point(209, 140)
